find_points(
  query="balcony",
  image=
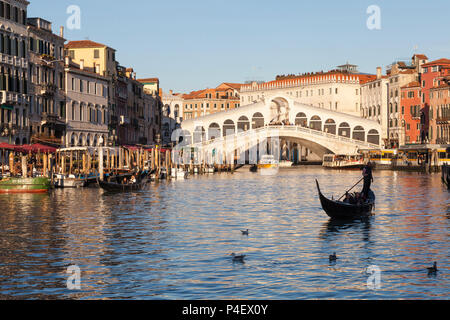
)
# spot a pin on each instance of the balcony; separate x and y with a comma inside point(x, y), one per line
point(47, 89)
point(443, 120)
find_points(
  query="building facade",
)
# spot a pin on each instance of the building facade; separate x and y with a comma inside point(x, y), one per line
point(14, 78)
point(209, 101)
point(430, 78)
point(374, 104)
point(47, 84)
point(440, 112)
point(87, 112)
point(337, 90)
point(410, 110)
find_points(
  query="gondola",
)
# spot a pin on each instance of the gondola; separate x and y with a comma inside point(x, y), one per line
point(254, 168)
point(345, 211)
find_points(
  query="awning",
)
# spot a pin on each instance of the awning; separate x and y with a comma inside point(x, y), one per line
point(7, 107)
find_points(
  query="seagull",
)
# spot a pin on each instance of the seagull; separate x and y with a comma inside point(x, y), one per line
point(433, 269)
point(333, 257)
point(244, 232)
point(238, 258)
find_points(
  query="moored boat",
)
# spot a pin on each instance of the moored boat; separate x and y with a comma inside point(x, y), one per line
point(70, 181)
point(345, 211)
point(25, 185)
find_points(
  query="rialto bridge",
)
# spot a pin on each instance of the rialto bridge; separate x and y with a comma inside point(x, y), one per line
point(297, 125)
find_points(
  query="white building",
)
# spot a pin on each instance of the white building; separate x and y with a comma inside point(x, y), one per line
point(14, 95)
point(336, 90)
point(374, 104)
point(87, 110)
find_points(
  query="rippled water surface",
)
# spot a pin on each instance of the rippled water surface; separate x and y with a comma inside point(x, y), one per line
point(174, 240)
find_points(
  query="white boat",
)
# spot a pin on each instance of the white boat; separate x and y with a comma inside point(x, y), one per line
point(181, 174)
point(210, 169)
point(286, 164)
point(268, 165)
point(343, 161)
point(70, 181)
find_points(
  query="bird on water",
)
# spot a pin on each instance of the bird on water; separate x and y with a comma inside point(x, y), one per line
point(333, 257)
point(237, 258)
point(433, 269)
point(244, 232)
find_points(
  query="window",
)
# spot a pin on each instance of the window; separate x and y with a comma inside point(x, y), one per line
point(96, 54)
point(72, 54)
point(81, 85)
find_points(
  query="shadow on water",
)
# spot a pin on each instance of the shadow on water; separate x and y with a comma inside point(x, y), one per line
point(334, 228)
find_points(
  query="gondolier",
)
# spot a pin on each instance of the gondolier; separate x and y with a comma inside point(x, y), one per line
point(368, 179)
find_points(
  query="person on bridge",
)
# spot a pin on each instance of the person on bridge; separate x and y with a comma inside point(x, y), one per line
point(368, 180)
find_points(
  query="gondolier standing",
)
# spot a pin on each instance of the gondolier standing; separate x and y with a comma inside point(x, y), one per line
point(368, 179)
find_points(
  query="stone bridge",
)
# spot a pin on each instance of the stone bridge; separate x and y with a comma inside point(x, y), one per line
point(320, 130)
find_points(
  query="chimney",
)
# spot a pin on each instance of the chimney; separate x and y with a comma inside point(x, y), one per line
point(97, 69)
point(81, 64)
point(67, 61)
point(171, 92)
point(379, 71)
point(61, 32)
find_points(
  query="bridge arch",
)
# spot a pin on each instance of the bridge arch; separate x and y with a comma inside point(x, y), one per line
point(315, 123)
point(214, 131)
point(373, 137)
point(258, 120)
point(301, 120)
point(344, 130)
point(330, 126)
point(359, 133)
point(243, 124)
point(229, 128)
point(199, 134)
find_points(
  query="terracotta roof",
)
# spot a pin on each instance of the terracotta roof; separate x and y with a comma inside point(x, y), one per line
point(148, 80)
point(421, 56)
point(437, 62)
point(84, 44)
point(413, 84)
point(409, 71)
point(236, 86)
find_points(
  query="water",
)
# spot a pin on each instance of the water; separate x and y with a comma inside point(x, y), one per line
point(174, 240)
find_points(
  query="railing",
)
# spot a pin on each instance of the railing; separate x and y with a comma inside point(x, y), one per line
point(244, 134)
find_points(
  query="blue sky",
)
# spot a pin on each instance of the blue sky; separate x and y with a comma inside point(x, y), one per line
point(197, 44)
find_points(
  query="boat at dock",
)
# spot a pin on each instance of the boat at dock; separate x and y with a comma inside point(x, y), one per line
point(346, 211)
point(25, 185)
point(69, 181)
point(338, 161)
point(286, 164)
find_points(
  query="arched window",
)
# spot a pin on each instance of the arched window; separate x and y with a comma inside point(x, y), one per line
point(315, 123)
point(359, 133)
point(243, 124)
point(330, 126)
point(228, 128)
point(301, 120)
point(344, 130)
point(213, 131)
point(258, 120)
point(373, 137)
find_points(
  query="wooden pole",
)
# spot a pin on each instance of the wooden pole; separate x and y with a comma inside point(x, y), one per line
point(24, 166)
point(100, 163)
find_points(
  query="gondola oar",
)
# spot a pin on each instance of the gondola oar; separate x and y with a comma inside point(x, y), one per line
point(351, 189)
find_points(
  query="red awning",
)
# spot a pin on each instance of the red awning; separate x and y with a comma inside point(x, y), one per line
point(36, 148)
point(9, 147)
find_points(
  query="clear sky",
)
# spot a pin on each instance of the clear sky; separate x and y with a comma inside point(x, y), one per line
point(191, 45)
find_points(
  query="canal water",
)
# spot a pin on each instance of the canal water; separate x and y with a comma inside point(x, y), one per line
point(174, 240)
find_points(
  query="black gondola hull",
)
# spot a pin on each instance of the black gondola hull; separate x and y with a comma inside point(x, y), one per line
point(344, 211)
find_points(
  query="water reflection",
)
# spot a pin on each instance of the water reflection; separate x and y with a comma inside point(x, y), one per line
point(174, 240)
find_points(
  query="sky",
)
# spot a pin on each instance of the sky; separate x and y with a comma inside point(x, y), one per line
point(192, 45)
